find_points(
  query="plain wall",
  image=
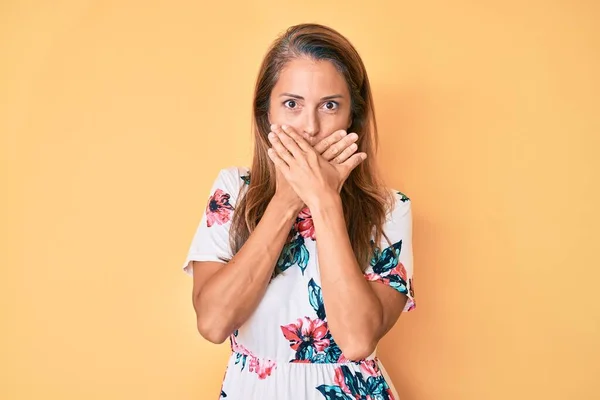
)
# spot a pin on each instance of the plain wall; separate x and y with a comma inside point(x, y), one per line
point(115, 117)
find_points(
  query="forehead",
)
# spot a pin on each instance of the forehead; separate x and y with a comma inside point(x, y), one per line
point(304, 76)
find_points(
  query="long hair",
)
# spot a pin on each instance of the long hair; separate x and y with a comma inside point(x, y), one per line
point(364, 196)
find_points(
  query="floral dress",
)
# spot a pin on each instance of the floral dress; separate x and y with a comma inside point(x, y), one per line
point(285, 349)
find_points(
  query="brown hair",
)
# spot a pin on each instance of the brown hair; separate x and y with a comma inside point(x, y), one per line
point(363, 194)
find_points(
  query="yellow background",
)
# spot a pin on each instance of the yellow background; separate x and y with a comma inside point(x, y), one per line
point(116, 116)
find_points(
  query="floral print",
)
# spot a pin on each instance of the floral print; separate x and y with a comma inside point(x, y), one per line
point(403, 197)
point(295, 252)
point(304, 224)
point(386, 268)
point(307, 332)
point(366, 384)
point(246, 178)
point(223, 394)
point(218, 210)
point(263, 367)
point(309, 337)
point(289, 327)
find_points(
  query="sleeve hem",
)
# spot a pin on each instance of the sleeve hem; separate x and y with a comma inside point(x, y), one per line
point(187, 266)
point(410, 303)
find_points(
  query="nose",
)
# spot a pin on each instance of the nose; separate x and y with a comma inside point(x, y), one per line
point(311, 124)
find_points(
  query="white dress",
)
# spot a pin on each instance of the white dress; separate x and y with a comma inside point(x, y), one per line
point(285, 350)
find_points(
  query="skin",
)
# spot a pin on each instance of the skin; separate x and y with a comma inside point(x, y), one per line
point(359, 312)
point(225, 297)
point(313, 99)
point(313, 156)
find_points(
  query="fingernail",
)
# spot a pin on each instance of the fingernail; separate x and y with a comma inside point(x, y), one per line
point(344, 133)
point(273, 127)
point(284, 127)
point(271, 135)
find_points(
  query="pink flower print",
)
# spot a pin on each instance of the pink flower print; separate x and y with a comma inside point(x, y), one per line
point(218, 209)
point(399, 270)
point(262, 367)
point(306, 330)
point(304, 224)
point(343, 359)
point(340, 381)
point(372, 276)
point(359, 386)
point(369, 368)
point(238, 348)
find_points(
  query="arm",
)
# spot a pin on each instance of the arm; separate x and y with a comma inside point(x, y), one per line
point(224, 296)
point(359, 313)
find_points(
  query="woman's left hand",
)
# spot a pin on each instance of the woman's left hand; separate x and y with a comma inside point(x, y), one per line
point(309, 174)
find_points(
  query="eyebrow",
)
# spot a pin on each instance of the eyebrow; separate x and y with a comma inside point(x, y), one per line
point(295, 96)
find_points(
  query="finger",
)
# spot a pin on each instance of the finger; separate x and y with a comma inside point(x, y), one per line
point(291, 145)
point(344, 155)
point(280, 149)
point(329, 140)
point(300, 141)
point(336, 149)
point(286, 141)
point(278, 161)
point(353, 162)
point(276, 129)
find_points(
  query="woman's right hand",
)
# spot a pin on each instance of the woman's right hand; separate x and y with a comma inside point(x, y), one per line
point(335, 148)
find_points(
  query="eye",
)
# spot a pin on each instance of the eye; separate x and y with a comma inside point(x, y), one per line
point(290, 104)
point(331, 105)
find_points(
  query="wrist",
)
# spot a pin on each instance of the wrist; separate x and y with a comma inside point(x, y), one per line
point(288, 209)
point(326, 201)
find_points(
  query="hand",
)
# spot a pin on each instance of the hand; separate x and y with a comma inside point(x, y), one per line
point(335, 148)
point(307, 172)
point(284, 194)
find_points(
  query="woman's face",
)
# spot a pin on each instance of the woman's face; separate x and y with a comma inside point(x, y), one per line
point(312, 97)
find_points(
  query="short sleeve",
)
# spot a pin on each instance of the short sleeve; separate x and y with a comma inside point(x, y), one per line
point(211, 240)
point(392, 262)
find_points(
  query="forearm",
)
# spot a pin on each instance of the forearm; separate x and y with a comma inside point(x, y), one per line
point(354, 313)
point(232, 294)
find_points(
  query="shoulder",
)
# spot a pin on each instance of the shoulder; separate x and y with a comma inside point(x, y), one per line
point(397, 228)
point(234, 176)
point(400, 207)
point(231, 181)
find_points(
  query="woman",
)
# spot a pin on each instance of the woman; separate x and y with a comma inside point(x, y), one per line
point(305, 260)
